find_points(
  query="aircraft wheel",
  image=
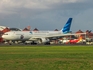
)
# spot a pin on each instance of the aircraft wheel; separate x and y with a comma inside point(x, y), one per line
point(47, 43)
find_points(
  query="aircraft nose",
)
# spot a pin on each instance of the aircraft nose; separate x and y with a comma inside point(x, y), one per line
point(3, 36)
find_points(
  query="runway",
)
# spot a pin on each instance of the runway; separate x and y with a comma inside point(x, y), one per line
point(23, 45)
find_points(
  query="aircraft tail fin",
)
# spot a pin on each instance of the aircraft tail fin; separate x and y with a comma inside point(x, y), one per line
point(80, 39)
point(67, 26)
point(5, 30)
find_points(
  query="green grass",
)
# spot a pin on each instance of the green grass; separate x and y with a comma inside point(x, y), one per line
point(46, 58)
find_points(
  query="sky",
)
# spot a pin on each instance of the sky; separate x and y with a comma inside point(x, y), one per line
point(47, 14)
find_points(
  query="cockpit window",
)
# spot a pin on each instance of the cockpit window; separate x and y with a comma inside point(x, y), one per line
point(5, 34)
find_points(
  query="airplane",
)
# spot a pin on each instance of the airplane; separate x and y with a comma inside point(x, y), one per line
point(74, 41)
point(42, 36)
point(4, 29)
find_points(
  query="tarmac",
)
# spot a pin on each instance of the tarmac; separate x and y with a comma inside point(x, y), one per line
point(22, 45)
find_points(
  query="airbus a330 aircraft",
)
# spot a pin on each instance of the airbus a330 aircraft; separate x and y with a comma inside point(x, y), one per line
point(43, 36)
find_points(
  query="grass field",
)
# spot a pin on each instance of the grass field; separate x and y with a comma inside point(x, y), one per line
point(46, 58)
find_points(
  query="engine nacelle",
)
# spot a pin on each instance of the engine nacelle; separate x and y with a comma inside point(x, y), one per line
point(45, 40)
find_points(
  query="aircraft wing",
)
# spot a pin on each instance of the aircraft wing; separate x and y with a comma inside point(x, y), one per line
point(57, 35)
point(60, 35)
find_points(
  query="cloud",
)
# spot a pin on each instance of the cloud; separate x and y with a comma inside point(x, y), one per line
point(46, 12)
point(11, 6)
point(83, 20)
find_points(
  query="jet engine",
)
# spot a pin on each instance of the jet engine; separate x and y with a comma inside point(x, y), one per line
point(45, 40)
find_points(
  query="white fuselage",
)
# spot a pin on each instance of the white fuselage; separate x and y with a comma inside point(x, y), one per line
point(44, 33)
point(16, 35)
point(26, 35)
